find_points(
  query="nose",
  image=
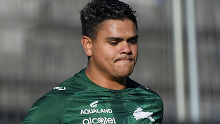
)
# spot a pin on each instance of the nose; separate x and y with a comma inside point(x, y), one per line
point(125, 48)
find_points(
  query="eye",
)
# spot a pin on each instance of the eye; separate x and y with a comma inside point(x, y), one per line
point(114, 43)
point(133, 41)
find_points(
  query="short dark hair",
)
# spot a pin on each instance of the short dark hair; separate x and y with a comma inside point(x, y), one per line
point(97, 11)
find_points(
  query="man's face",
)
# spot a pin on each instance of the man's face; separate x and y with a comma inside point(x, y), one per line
point(115, 49)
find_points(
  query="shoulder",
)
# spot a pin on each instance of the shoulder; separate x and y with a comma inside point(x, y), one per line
point(150, 101)
point(145, 92)
point(50, 107)
point(47, 109)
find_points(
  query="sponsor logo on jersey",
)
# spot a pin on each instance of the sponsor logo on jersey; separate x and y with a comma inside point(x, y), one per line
point(92, 111)
point(100, 120)
point(59, 88)
point(139, 114)
point(94, 104)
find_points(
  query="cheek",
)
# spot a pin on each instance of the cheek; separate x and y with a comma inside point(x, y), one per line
point(104, 54)
point(109, 57)
point(108, 54)
point(135, 50)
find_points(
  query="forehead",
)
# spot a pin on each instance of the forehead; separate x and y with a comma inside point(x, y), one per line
point(117, 27)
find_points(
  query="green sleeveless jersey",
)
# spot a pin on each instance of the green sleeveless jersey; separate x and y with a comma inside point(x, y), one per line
point(79, 101)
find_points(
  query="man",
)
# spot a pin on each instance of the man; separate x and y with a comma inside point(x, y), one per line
point(102, 93)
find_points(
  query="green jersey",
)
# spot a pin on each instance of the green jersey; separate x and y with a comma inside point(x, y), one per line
point(79, 101)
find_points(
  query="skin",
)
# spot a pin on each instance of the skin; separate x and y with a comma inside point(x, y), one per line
point(113, 53)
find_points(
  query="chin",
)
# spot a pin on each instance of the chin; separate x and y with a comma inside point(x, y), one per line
point(123, 71)
point(124, 74)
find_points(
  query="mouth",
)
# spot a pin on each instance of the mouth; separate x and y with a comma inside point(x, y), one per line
point(124, 59)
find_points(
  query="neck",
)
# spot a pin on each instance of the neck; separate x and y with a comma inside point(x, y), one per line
point(104, 81)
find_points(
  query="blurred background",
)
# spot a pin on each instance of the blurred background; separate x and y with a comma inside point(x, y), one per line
point(179, 54)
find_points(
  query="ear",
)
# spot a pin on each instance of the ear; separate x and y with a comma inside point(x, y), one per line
point(87, 45)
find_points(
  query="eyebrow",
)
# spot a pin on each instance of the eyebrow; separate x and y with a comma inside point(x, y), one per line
point(134, 37)
point(121, 39)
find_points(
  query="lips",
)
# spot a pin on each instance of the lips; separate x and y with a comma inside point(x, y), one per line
point(126, 58)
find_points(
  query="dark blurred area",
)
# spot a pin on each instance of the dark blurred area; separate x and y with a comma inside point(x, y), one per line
point(40, 47)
